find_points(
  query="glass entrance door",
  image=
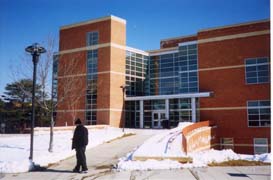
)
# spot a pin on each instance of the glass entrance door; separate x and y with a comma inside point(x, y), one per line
point(158, 116)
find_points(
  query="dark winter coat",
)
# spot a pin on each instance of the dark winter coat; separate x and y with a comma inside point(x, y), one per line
point(80, 137)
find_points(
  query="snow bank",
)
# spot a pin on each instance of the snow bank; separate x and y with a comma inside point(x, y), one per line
point(258, 157)
point(15, 148)
point(168, 144)
point(200, 159)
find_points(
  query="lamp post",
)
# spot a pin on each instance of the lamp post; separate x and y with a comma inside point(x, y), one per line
point(35, 50)
point(123, 87)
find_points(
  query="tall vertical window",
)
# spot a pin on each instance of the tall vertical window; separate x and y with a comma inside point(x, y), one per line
point(260, 145)
point(92, 38)
point(55, 78)
point(257, 70)
point(258, 113)
point(91, 94)
point(188, 68)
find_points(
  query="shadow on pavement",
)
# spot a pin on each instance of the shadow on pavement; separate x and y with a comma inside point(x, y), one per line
point(44, 169)
point(237, 175)
point(58, 171)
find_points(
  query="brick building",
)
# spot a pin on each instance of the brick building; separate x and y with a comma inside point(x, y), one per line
point(220, 74)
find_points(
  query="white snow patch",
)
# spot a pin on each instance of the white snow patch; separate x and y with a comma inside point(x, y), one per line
point(168, 144)
point(15, 148)
point(165, 144)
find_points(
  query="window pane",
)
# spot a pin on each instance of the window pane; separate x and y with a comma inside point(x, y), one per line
point(264, 103)
point(260, 150)
point(251, 80)
point(250, 61)
point(253, 123)
point(263, 79)
point(251, 74)
point(265, 123)
point(263, 73)
point(253, 103)
point(265, 111)
point(253, 117)
point(250, 68)
point(262, 60)
point(253, 111)
point(263, 67)
point(265, 117)
point(260, 141)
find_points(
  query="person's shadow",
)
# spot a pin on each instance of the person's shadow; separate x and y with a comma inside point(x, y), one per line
point(38, 168)
point(57, 170)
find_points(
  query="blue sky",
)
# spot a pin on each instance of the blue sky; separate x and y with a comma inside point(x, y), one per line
point(23, 22)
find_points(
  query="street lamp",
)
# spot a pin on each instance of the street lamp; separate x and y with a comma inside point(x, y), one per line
point(123, 87)
point(35, 50)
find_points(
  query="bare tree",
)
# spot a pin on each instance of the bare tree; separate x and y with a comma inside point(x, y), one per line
point(71, 87)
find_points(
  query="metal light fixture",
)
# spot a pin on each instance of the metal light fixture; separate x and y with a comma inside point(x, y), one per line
point(35, 50)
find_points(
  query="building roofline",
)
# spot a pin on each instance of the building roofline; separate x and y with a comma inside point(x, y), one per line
point(235, 25)
point(128, 48)
point(94, 21)
point(178, 37)
point(156, 51)
point(162, 50)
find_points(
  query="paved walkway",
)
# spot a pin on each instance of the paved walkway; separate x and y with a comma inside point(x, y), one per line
point(101, 158)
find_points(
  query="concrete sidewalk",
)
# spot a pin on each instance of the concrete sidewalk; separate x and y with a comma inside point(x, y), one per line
point(101, 159)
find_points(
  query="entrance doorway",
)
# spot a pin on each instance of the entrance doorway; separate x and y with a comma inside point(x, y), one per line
point(157, 118)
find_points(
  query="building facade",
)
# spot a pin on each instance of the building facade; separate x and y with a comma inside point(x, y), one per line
point(220, 74)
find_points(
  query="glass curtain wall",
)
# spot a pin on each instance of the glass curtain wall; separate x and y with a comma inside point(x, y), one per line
point(136, 70)
point(173, 73)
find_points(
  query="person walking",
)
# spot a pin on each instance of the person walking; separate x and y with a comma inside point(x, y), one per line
point(79, 143)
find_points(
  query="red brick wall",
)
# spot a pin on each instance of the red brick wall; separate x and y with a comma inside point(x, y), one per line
point(109, 93)
point(75, 37)
point(231, 93)
point(259, 26)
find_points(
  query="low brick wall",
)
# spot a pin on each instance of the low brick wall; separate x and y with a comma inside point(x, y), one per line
point(199, 136)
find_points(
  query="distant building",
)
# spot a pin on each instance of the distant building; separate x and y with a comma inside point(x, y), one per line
point(219, 74)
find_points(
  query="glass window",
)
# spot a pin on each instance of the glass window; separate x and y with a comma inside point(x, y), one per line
point(259, 113)
point(92, 38)
point(257, 70)
point(260, 145)
point(227, 143)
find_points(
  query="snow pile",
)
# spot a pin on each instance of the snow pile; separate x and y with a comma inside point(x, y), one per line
point(203, 158)
point(200, 159)
point(15, 148)
point(257, 157)
point(168, 145)
point(164, 144)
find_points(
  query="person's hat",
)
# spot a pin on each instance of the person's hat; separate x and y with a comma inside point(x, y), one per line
point(78, 121)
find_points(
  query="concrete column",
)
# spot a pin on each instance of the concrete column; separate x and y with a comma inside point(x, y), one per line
point(193, 109)
point(167, 108)
point(141, 114)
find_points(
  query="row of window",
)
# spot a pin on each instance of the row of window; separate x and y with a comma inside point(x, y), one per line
point(260, 144)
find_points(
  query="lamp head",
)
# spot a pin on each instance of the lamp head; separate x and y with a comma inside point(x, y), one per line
point(35, 49)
